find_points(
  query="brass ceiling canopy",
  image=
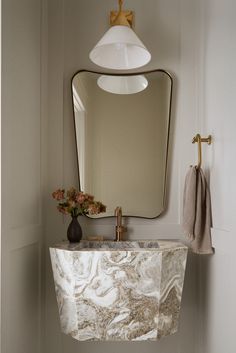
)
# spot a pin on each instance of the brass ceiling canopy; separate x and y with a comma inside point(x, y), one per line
point(122, 18)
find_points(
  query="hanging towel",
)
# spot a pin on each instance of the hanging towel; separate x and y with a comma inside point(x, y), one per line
point(197, 211)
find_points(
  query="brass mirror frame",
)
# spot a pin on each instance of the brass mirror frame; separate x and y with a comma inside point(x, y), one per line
point(168, 131)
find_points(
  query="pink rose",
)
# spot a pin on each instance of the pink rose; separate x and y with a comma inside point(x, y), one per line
point(80, 198)
point(93, 209)
point(77, 202)
point(58, 194)
point(71, 194)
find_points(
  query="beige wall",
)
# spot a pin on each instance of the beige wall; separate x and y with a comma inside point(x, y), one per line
point(168, 28)
point(191, 39)
point(217, 284)
point(23, 173)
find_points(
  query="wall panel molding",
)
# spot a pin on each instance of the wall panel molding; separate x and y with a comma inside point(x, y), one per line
point(173, 35)
point(22, 182)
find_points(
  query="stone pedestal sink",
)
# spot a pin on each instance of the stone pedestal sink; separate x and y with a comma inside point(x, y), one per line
point(119, 291)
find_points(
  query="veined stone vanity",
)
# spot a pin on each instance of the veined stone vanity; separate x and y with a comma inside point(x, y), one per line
point(119, 291)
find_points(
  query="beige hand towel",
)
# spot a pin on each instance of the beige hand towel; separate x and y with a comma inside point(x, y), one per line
point(197, 211)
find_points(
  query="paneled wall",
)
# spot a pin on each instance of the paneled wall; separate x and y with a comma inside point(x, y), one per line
point(169, 28)
point(191, 39)
point(217, 282)
point(23, 174)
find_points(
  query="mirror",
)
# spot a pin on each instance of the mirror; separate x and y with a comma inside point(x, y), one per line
point(122, 139)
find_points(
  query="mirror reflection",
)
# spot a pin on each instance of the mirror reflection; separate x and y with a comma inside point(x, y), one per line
point(122, 84)
point(122, 136)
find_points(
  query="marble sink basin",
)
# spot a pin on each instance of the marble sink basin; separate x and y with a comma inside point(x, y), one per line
point(110, 245)
point(119, 291)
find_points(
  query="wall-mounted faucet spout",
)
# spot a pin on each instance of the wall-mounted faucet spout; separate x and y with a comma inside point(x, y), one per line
point(119, 228)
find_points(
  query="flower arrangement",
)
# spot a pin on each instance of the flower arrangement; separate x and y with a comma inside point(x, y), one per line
point(77, 203)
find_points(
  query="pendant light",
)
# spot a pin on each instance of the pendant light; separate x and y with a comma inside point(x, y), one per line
point(122, 84)
point(120, 48)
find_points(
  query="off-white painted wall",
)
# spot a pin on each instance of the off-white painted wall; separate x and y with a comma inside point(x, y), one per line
point(23, 177)
point(0, 164)
point(217, 281)
point(169, 28)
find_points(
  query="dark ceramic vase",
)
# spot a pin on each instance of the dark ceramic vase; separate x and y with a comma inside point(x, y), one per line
point(74, 231)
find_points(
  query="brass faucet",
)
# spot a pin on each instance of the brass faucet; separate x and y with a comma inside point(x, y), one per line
point(119, 228)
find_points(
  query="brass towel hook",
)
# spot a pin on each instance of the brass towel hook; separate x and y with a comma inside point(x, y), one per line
point(199, 140)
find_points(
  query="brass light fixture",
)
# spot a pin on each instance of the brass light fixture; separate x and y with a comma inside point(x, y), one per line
point(120, 48)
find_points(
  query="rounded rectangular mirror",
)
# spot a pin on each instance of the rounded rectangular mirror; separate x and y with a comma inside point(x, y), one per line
point(122, 139)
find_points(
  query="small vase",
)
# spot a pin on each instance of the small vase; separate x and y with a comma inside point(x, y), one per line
point(74, 231)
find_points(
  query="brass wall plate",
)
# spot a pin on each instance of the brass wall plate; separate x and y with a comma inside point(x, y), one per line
point(128, 14)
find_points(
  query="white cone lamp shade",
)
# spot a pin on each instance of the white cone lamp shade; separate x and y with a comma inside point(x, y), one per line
point(120, 49)
point(122, 84)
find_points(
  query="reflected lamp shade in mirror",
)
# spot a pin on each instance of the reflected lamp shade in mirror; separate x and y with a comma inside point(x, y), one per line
point(122, 84)
point(120, 49)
